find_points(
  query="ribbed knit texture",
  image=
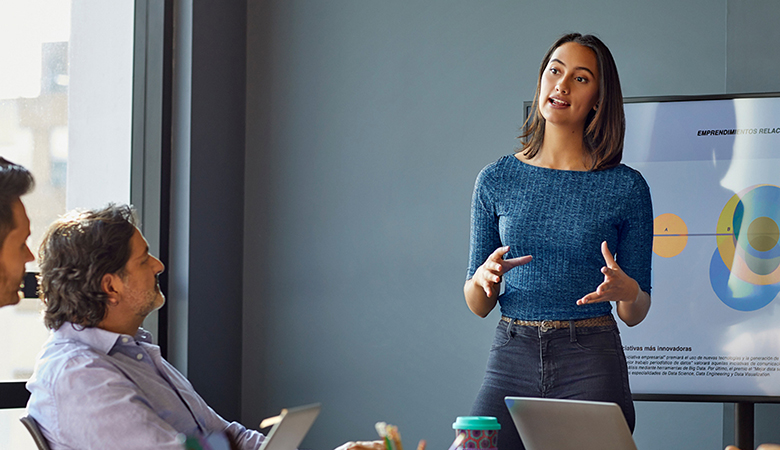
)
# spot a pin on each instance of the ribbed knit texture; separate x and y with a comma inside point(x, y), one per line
point(560, 217)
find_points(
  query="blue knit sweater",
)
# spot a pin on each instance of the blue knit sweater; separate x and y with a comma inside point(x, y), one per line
point(560, 217)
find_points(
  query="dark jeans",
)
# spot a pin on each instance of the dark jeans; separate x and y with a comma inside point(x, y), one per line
point(584, 363)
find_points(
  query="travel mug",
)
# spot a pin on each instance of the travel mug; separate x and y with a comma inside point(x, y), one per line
point(480, 432)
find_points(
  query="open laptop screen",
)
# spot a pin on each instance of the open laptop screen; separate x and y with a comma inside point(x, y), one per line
point(546, 424)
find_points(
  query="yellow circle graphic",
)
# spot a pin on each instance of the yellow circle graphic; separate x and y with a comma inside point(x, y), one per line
point(670, 235)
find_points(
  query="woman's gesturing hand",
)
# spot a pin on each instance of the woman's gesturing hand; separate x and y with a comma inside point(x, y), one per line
point(632, 302)
point(616, 287)
point(488, 275)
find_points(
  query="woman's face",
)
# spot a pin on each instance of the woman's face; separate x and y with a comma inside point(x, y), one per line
point(569, 86)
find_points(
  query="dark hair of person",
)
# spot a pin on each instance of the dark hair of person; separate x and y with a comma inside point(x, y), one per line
point(15, 181)
point(605, 128)
point(78, 250)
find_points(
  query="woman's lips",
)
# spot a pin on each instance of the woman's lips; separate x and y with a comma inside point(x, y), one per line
point(557, 102)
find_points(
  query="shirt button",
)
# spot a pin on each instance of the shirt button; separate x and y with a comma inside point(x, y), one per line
point(140, 356)
point(124, 340)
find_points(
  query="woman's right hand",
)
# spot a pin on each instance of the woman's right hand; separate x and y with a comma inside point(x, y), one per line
point(481, 290)
point(488, 275)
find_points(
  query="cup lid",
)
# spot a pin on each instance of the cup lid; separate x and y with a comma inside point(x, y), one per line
point(476, 423)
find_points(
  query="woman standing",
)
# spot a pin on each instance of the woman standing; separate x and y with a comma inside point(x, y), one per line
point(546, 222)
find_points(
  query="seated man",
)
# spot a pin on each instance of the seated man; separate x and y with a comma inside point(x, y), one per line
point(99, 381)
point(15, 181)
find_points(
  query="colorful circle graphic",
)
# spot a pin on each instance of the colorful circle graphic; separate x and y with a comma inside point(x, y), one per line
point(745, 269)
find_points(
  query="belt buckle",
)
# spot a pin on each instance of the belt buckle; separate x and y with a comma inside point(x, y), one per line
point(546, 326)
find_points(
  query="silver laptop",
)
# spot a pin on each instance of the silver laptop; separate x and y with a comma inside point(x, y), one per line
point(551, 424)
point(290, 427)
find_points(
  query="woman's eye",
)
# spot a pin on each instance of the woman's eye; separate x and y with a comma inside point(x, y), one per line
point(553, 70)
point(581, 79)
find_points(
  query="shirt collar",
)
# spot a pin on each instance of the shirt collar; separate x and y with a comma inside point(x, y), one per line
point(97, 338)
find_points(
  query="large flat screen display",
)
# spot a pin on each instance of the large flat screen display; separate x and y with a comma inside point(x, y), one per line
point(713, 166)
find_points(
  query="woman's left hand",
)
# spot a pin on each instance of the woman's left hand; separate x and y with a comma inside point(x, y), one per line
point(616, 287)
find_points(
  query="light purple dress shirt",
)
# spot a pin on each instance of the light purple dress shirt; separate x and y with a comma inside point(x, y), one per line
point(94, 389)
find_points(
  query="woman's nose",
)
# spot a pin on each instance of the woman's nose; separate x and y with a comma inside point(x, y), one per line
point(562, 87)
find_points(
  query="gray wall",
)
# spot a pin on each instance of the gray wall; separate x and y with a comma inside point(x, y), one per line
point(366, 124)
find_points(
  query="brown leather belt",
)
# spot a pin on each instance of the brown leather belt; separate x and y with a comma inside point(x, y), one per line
point(551, 324)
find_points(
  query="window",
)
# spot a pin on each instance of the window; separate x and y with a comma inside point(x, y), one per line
point(34, 40)
point(82, 110)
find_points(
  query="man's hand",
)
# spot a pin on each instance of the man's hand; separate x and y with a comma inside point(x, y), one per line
point(760, 447)
point(362, 445)
point(373, 445)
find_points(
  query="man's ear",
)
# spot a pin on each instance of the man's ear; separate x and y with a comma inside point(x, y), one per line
point(111, 284)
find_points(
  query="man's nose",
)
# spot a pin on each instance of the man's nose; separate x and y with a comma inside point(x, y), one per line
point(160, 263)
point(29, 255)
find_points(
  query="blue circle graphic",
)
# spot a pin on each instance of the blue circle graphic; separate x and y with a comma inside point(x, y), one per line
point(739, 294)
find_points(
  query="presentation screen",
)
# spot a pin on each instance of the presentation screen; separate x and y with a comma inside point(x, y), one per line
point(713, 166)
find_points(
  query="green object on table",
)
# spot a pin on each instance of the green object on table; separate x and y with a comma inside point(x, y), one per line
point(192, 443)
